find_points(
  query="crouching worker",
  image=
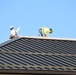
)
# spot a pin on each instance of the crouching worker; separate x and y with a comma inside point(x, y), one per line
point(13, 33)
point(44, 31)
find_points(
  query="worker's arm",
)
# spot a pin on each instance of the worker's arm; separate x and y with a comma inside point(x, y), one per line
point(18, 29)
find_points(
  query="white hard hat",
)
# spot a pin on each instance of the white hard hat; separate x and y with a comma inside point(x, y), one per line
point(11, 27)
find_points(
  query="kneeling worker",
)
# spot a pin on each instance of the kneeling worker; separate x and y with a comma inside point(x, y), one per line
point(13, 32)
point(44, 31)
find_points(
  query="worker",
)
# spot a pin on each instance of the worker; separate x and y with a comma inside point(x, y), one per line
point(13, 33)
point(44, 31)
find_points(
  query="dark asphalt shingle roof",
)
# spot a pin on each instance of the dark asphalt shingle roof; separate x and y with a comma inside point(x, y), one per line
point(38, 54)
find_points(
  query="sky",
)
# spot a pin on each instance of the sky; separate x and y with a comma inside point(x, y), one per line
point(30, 15)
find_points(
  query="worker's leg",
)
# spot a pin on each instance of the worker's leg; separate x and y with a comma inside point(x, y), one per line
point(16, 35)
point(45, 35)
point(11, 37)
point(40, 31)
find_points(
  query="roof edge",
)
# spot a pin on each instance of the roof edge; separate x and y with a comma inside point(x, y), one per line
point(9, 41)
point(36, 72)
point(36, 37)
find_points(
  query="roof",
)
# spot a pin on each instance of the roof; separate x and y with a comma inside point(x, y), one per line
point(38, 55)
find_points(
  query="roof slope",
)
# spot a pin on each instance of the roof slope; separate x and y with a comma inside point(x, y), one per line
point(36, 54)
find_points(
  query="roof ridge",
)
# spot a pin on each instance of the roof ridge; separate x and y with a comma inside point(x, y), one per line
point(53, 38)
point(35, 37)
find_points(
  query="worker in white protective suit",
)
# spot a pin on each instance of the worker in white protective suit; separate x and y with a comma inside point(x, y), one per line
point(13, 33)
